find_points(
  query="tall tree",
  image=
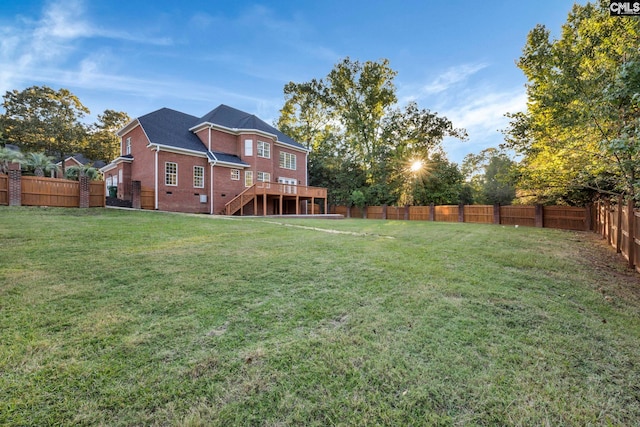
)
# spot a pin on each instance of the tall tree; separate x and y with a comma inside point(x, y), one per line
point(103, 143)
point(350, 118)
point(440, 183)
point(41, 119)
point(492, 176)
point(580, 130)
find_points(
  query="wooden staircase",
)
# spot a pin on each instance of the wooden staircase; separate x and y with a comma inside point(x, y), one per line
point(262, 192)
point(240, 201)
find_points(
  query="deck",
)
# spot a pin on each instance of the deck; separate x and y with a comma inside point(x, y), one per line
point(271, 198)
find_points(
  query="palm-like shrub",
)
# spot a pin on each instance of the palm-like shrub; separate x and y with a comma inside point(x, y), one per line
point(39, 163)
point(75, 172)
point(7, 156)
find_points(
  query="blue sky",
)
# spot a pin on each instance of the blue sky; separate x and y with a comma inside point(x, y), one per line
point(456, 58)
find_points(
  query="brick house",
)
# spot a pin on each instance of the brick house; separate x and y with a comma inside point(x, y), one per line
point(227, 161)
point(75, 160)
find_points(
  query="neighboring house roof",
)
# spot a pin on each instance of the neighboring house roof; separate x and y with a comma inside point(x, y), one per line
point(80, 159)
point(171, 128)
point(232, 118)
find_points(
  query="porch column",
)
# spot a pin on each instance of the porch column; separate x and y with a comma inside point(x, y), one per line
point(264, 204)
point(297, 204)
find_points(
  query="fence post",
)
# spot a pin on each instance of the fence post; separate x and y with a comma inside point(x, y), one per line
point(539, 220)
point(496, 213)
point(136, 194)
point(364, 212)
point(597, 226)
point(384, 211)
point(632, 233)
point(348, 211)
point(406, 212)
point(588, 212)
point(607, 221)
point(83, 185)
point(461, 212)
point(432, 212)
point(619, 229)
point(15, 184)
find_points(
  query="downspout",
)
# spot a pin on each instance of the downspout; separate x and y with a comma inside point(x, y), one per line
point(306, 168)
point(211, 189)
point(210, 178)
point(306, 173)
point(156, 172)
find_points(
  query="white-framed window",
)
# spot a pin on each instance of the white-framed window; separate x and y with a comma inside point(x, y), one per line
point(287, 160)
point(128, 146)
point(263, 177)
point(171, 173)
point(108, 181)
point(248, 147)
point(248, 178)
point(115, 181)
point(235, 174)
point(264, 149)
point(198, 176)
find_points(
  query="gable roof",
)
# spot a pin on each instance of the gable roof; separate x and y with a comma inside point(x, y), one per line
point(171, 128)
point(232, 118)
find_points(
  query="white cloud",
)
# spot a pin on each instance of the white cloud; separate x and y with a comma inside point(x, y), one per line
point(450, 78)
point(485, 112)
point(30, 46)
point(483, 116)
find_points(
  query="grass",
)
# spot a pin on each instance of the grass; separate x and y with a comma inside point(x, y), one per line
point(112, 317)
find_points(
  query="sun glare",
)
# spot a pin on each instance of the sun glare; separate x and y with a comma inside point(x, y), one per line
point(416, 165)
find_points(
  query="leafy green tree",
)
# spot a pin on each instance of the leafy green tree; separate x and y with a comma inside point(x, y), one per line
point(103, 143)
point(350, 118)
point(491, 176)
point(440, 183)
point(39, 163)
point(580, 131)
point(44, 120)
point(7, 156)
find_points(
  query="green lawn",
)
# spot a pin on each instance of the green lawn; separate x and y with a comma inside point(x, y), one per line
point(110, 317)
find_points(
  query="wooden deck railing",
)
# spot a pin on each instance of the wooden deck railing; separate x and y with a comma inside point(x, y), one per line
point(273, 189)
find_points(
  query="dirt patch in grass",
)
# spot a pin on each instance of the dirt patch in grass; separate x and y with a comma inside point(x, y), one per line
point(618, 280)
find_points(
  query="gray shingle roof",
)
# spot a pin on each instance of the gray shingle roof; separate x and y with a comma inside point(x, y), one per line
point(169, 127)
point(228, 158)
point(232, 118)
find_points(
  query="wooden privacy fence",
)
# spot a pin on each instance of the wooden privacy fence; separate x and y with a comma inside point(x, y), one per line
point(562, 217)
point(18, 190)
point(4, 189)
point(147, 198)
point(619, 224)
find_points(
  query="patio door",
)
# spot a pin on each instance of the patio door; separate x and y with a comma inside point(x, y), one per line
point(290, 185)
